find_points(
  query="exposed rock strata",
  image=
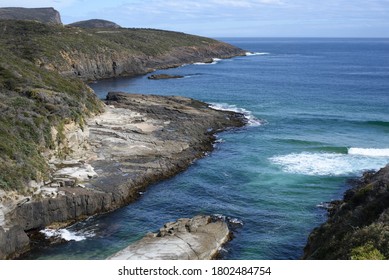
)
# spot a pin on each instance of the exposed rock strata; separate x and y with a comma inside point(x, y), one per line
point(358, 225)
point(113, 63)
point(45, 15)
point(198, 238)
point(139, 140)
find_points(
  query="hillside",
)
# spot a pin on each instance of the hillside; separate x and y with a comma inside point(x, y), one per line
point(95, 23)
point(42, 73)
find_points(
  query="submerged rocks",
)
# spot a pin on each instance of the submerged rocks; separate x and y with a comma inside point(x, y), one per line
point(358, 225)
point(164, 76)
point(199, 238)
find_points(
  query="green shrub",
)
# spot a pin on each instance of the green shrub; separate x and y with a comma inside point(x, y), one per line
point(366, 252)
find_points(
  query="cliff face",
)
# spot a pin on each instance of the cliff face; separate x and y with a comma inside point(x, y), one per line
point(88, 66)
point(45, 15)
point(358, 225)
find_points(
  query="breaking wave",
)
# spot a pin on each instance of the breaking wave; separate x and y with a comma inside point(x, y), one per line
point(369, 152)
point(256, 53)
point(66, 234)
point(355, 161)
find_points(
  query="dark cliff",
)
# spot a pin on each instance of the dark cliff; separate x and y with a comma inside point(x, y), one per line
point(45, 15)
point(358, 225)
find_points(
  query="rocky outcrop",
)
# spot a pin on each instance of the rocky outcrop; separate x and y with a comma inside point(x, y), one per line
point(139, 140)
point(164, 76)
point(95, 23)
point(358, 225)
point(45, 15)
point(199, 238)
point(13, 241)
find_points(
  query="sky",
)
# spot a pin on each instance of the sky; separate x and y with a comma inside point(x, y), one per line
point(228, 18)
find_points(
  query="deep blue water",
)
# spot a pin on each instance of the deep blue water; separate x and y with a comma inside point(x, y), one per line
point(322, 111)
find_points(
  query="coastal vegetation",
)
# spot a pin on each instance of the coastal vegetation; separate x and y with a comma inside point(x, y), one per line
point(357, 227)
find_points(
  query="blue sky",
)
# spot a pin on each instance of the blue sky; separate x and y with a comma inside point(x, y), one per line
point(228, 18)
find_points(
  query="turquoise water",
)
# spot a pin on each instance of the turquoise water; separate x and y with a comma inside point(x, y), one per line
point(319, 112)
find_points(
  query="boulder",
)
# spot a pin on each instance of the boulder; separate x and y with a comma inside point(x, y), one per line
point(13, 241)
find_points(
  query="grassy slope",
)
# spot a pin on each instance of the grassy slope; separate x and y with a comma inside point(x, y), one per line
point(33, 99)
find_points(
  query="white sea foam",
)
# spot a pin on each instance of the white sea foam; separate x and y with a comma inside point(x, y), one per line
point(327, 164)
point(369, 152)
point(214, 61)
point(233, 221)
point(256, 53)
point(251, 119)
point(66, 234)
point(205, 63)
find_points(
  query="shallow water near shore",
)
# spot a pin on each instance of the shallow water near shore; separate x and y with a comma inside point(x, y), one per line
point(319, 116)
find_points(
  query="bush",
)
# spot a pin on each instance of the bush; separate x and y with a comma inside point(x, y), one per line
point(366, 252)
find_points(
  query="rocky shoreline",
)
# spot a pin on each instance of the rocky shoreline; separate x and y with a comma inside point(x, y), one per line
point(139, 140)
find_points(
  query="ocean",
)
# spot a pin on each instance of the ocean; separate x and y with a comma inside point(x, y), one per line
point(318, 114)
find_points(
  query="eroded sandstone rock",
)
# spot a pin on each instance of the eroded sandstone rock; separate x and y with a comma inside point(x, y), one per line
point(199, 238)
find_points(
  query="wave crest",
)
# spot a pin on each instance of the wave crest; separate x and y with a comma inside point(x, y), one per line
point(66, 234)
point(369, 152)
point(256, 53)
point(328, 164)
